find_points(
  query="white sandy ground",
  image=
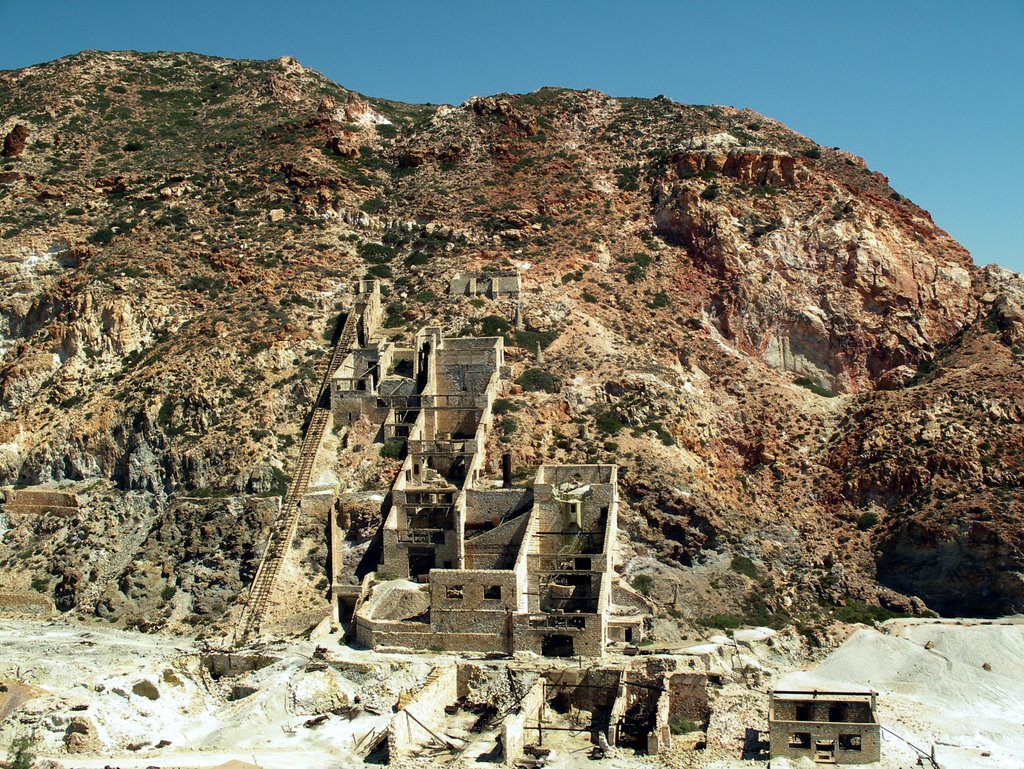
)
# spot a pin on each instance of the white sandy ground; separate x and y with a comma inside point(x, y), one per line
point(940, 696)
point(98, 667)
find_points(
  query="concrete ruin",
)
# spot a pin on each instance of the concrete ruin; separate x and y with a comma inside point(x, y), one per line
point(826, 727)
point(490, 284)
point(499, 713)
point(468, 562)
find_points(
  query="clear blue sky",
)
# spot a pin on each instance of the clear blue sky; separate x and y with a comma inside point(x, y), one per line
point(930, 92)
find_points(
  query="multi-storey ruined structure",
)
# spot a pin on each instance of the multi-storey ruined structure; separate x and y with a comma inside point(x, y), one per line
point(468, 562)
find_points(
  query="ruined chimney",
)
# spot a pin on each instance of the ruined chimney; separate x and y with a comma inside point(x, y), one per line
point(506, 471)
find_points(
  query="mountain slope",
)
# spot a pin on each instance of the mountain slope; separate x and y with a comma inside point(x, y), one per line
point(179, 234)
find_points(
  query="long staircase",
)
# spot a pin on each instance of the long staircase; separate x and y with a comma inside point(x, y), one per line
point(283, 529)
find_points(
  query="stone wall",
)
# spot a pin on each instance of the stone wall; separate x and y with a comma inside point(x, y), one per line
point(39, 501)
point(513, 729)
point(494, 504)
point(390, 634)
point(868, 734)
point(689, 696)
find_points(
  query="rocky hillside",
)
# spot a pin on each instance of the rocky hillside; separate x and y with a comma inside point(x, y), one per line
point(813, 392)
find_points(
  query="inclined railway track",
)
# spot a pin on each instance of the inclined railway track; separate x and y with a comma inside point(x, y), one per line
point(282, 530)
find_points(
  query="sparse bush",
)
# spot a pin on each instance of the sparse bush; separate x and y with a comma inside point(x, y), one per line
point(374, 206)
point(661, 300)
point(505, 406)
point(101, 237)
point(609, 422)
point(529, 340)
point(859, 612)
point(21, 754)
point(813, 153)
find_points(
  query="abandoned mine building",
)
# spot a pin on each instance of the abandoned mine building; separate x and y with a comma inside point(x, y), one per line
point(470, 562)
point(826, 727)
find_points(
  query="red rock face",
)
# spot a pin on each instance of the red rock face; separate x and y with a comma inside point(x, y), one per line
point(745, 167)
point(15, 141)
point(850, 290)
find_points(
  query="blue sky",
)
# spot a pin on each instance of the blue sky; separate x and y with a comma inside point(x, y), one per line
point(929, 92)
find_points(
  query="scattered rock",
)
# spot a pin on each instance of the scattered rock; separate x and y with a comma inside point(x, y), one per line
point(146, 689)
point(81, 736)
point(15, 141)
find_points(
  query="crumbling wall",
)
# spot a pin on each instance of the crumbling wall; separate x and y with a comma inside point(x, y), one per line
point(406, 734)
point(660, 737)
point(494, 504)
point(491, 284)
point(690, 700)
point(513, 728)
point(39, 501)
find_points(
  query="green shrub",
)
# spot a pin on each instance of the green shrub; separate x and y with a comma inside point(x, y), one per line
point(504, 406)
point(609, 422)
point(643, 583)
point(679, 725)
point(21, 753)
point(528, 340)
point(375, 252)
point(494, 325)
point(661, 300)
point(417, 259)
point(507, 427)
point(393, 449)
point(858, 611)
point(374, 205)
point(168, 592)
point(743, 565)
point(393, 317)
point(720, 621)
point(101, 237)
point(627, 178)
point(867, 520)
point(814, 387)
point(537, 380)
point(813, 153)
point(710, 192)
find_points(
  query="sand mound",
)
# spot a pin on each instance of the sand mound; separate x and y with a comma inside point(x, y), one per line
point(397, 599)
point(959, 687)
